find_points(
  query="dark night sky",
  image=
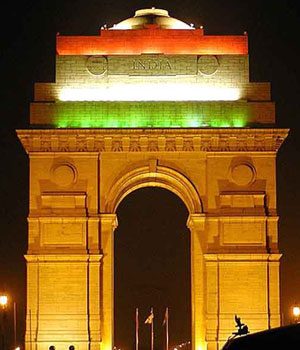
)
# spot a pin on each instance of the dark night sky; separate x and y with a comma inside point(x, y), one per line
point(28, 33)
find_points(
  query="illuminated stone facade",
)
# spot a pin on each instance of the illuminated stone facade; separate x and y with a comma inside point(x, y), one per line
point(157, 105)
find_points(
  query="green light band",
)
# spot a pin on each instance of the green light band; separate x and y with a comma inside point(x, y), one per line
point(143, 114)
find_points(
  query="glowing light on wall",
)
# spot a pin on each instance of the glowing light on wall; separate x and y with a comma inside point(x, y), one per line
point(114, 123)
point(150, 92)
point(201, 347)
point(149, 114)
point(167, 41)
point(127, 25)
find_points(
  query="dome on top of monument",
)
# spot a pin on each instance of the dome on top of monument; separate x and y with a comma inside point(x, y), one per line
point(152, 16)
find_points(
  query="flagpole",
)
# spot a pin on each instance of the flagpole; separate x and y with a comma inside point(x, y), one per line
point(136, 329)
point(152, 330)
point(149, 320)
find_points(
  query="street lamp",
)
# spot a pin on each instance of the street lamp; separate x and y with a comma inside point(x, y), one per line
point(3, 301)
point(3, 304)
point(296, 313)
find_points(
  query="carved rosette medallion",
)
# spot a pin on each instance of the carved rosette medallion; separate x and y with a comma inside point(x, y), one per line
point(63, 174)
point(208, 65)
point(97, 65)
point(243, 174)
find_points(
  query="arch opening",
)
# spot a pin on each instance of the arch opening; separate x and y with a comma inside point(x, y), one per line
point(163, 177)
point(152, 268)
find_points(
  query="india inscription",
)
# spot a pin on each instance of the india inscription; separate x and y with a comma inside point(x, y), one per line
point(151, 65)
point(160, 65)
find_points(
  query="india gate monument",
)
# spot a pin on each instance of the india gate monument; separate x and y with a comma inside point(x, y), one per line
point(150, 102)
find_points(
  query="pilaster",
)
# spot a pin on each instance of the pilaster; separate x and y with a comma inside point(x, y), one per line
point(108, 223)
point(274, 290)
point(196, 225)
point(94, 307)
point(246, 285)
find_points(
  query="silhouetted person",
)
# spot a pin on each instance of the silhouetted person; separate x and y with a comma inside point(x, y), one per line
point(51, 347)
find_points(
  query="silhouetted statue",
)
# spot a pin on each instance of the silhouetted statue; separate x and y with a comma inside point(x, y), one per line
point(238, 321)
point(242, 328)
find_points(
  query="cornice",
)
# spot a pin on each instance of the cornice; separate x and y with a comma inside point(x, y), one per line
point(153, 140)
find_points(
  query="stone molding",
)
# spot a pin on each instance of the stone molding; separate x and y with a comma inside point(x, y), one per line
point(62, 258)
point(152, 140)
point(109, 221)
point(159, 176)
point(212, 257)
point(196, 222)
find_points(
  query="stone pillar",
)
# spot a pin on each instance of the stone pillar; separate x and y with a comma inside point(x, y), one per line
point(243, 284)
point(213, 300)
point(196, 225)
point(274, 290)
point(58, 302)
point(108, 223)
point(32, 303)
point(94, 308)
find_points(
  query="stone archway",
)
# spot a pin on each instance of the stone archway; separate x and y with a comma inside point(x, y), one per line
point(174, 181)
point(154, 176)
point(107, 126)
point(72, 220)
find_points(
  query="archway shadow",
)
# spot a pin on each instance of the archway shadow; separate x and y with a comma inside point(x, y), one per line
point(152, 268)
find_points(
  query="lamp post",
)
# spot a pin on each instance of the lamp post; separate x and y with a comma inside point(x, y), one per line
point(3, 305)
point(296, 313)
point(15, 325)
